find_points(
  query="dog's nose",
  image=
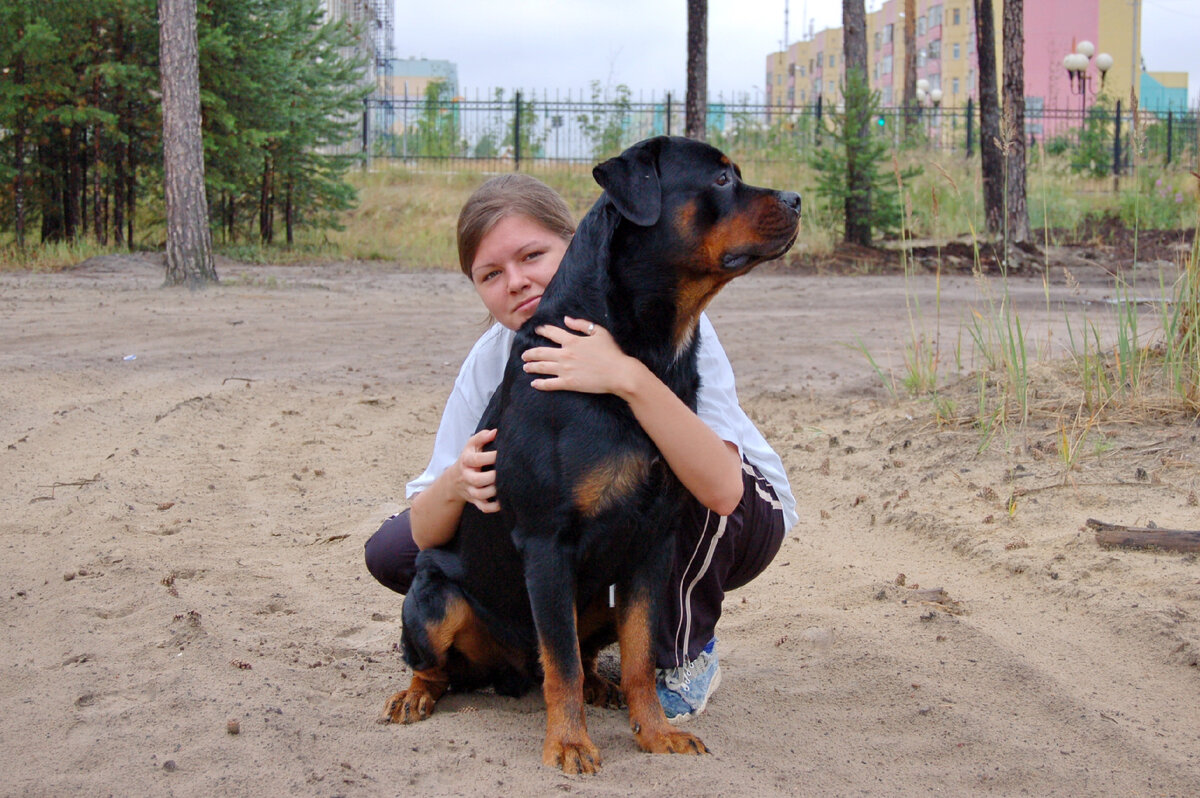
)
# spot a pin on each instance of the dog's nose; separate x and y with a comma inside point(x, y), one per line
point(790, 199)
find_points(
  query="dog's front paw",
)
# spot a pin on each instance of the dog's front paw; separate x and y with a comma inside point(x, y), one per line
point(574, 757)
point(408, 706)
point(669, 741)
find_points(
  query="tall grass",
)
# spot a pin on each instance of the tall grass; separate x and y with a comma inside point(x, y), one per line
point(1113, 365)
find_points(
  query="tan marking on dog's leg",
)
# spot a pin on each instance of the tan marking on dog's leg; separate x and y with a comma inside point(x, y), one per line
point(567, 743)
point(458, 628)
point(650, 727)
point(417, 702)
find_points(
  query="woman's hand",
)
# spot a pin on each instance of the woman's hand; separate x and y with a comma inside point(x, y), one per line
point(588, 363)
point(471, 483)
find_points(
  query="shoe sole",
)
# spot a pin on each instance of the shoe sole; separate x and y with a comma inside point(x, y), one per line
point(712, 688)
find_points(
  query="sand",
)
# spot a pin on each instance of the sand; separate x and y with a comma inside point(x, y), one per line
point(189, 478)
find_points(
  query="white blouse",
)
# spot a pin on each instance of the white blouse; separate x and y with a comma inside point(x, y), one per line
point(716, 405)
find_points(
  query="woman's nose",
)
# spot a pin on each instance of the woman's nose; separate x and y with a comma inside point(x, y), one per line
point(517, 279)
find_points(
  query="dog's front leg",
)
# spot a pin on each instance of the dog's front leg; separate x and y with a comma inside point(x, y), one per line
point(635, 620)
point(552, 599)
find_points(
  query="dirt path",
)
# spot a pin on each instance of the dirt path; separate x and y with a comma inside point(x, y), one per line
point(189, 479)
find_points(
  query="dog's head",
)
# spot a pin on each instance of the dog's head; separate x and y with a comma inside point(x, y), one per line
point(693, 215)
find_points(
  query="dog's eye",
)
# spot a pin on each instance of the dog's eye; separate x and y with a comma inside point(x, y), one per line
point(723, 179)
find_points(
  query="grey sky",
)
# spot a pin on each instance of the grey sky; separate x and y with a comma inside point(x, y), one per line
point(561, 45)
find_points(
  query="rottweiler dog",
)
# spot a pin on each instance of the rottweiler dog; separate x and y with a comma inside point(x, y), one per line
point(582, 546)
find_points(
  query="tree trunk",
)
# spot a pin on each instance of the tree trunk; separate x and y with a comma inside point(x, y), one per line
point(1017, 228)
point(130, 198)
point(910, 66)
point(989, 117)
point(18, 135)
point(696, 104)
point(116, 187)
point(858, 181)
point(51, 155)
point(73, 188)
point(266, 203)
point(287, 214)
point(189, 239)
point(99, 220)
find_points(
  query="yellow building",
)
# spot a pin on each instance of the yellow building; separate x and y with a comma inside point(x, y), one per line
point(946, 58)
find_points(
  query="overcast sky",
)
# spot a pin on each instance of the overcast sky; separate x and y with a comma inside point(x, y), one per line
point(561, 45)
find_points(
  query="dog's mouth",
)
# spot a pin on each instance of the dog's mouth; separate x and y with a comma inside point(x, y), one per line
point(779, 232)
point(737, 261)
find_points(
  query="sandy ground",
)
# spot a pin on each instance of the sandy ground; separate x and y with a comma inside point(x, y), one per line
point(188, 481)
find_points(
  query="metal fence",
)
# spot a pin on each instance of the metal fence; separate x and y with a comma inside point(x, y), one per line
point(509, 132)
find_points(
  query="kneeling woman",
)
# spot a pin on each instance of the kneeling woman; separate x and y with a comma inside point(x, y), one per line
point(512, 234)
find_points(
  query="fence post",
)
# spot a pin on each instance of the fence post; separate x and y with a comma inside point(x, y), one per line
point(1117, 144)
point(668, 113)
point(1170, 132)
point(366, 136)
point(970, 125)
point(517, 132)
point(817, 126)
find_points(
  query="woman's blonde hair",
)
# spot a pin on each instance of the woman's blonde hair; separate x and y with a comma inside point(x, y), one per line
point(509, 195)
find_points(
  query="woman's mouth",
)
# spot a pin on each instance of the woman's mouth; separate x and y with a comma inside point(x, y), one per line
point(529, 305)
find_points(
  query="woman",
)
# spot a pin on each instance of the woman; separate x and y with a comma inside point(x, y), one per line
point(512, 234)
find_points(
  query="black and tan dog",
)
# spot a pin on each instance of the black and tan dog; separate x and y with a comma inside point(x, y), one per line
point(587, 503)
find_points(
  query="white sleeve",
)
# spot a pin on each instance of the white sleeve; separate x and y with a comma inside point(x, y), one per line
point(717, 405)
point(717, 401)
point(477, 380)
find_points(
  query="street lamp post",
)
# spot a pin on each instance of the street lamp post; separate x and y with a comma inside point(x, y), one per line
point(928, 98)
point(1076, 65)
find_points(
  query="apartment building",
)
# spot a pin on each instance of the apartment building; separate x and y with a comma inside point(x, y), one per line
point(945, 55)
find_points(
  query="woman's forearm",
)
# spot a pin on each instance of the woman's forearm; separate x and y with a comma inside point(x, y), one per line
point(435, 513)
point(709, 467)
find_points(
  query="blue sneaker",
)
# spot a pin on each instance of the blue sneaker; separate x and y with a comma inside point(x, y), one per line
point(684, 691)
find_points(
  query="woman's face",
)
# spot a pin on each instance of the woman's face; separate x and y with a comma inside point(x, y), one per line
point(512, 266)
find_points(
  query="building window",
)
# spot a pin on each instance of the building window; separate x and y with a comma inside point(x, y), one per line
point(802, 70)
point(878, 40)
point(935, 16)
point(956, 18)
point(921, 25)
point(935, 49)
point(820, 60)
point(887, 33)
point(886, 65)
point(954, 86)
point(832, 60)
point(957, 50)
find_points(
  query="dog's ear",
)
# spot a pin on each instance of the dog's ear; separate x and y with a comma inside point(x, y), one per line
point(631, 181)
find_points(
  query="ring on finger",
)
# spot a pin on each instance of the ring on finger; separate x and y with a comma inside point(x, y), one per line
point(591, 330)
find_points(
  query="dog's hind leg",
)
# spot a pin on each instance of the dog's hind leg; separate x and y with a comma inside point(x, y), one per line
point(552, 599)
point(437, 619)
point(650, 727)
point(597, 629)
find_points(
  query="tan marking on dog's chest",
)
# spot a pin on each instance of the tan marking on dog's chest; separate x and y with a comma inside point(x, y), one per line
point(610, 482)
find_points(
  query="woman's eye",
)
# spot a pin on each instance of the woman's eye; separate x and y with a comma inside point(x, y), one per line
point(489, 275)
point(533, 255)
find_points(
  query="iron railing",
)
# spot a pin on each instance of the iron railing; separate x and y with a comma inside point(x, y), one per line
point(506, 132)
